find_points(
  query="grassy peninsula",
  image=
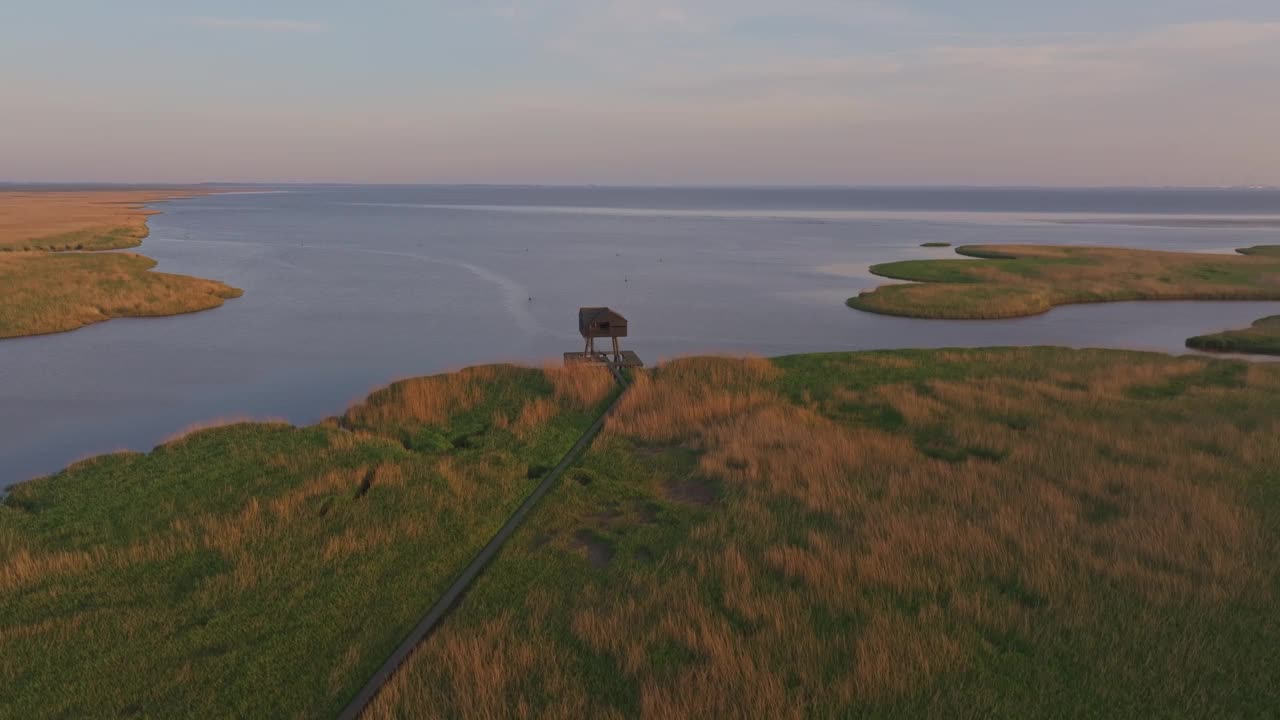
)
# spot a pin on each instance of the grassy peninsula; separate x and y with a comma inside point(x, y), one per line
point(1007, 281)
point(86, 220)
point(1269, 250)
point(1263, 338)
point(262, 570)
point(54, 277)
point(1012, 533)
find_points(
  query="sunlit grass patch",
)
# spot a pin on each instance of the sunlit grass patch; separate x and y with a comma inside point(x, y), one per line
point(76, 220)
point(1005, 281)
point(47, 292)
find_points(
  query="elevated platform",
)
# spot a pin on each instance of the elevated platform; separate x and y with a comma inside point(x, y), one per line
point(629, 359)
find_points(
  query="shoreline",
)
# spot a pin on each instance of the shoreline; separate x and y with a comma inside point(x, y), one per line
point(278, 420)
point(67, 262)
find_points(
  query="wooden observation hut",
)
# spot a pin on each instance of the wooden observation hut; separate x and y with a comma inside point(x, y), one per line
point(598, 323)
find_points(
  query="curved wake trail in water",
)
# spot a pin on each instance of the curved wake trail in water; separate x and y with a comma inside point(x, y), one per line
point(514, 295)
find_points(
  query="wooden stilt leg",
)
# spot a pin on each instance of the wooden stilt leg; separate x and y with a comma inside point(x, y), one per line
point(617, 354)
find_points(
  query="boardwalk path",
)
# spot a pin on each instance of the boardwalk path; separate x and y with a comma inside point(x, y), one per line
point(442, 606)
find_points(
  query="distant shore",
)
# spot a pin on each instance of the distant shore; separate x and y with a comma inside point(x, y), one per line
point(54, 276)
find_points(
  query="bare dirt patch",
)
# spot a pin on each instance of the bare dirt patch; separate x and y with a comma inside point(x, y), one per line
point(692, 491)
point(599, 551)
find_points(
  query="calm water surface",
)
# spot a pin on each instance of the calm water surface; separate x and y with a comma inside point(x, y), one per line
point(348, 288)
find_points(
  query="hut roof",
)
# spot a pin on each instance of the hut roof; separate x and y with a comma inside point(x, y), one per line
point(593, 319)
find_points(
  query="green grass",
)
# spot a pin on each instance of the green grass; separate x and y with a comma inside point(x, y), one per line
point(1004, 281)
point(1270, 250)
point(1263, 338)
point(996, 533)
point(935, 244)
point(52, 279)
point(262, 570)
point(1031, 532)
point(56, 292)
point(116, 238)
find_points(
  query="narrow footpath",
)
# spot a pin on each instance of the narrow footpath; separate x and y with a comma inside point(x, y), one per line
point(446, 602)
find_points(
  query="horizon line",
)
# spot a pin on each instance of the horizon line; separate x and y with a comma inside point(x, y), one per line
point(626, 186)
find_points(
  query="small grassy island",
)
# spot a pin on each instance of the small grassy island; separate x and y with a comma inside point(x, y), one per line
point(54, 277)
point(1261, 339)
point(1018, 280)
point(936, 245)
point(1028, 532)
point(1272, 250)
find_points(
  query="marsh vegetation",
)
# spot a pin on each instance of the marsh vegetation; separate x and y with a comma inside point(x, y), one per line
point(89, 220)
point(1262, 338)
point(55, 292)
point(1006, 281)
point(1013, 533)
point(1032, 532)
point(53, 279)
point(261, 569)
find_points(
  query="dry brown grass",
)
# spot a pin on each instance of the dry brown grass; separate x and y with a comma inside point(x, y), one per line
point(579, 386)
point(48, 292)
point(426, 401)
point(850, 566)
point(489, 667)
point(692, 393)
point(534, 415)
point(432, 400)
point(88, 220)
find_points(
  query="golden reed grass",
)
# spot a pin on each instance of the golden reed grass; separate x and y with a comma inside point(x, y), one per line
point(96, 220)
point(48, 293)
point(432, 400)
point(426, 401)
point(1078, 489)
point(580, 387)
point(48, 289)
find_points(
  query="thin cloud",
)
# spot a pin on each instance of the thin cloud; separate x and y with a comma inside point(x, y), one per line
point(258, 24)
point(1068, 64)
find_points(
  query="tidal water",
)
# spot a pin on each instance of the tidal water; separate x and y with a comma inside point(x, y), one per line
point(348, 288)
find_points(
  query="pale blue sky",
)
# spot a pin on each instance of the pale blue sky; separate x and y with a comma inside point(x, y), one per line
point(1090, 92)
